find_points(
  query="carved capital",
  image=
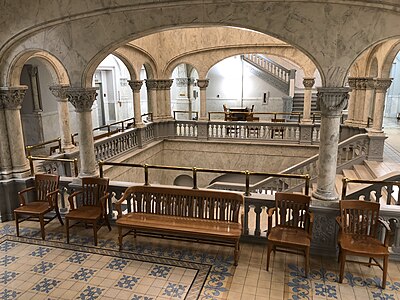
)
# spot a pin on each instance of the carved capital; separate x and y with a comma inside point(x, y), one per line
point(135, 85)
point(352, 82)
point(151, 84)
point(59, 91)
point(361, 83)
point(370, 83)
point(12, 97)
point(81, 98)
point(203, 83)
point(382, 84)
point(308, 82)
point(331, 101)
point(166, 84)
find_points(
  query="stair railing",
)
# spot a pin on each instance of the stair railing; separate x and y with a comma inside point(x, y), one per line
point(269, 66)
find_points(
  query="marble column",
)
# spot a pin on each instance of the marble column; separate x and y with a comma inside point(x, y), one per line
point(369, 99)
point(152, 86)
point(203, 84)
point(63, 115)
point(11, 99)
point(352, 101)
point(308, 84)
point(166, 86)
point(331, 102)
point(5, 155)
point(381, 86)
point(33, 74)
point(136, 85)
point(82, 99)
point(361, 86)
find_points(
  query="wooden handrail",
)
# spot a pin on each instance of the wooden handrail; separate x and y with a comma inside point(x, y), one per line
point(196, 170)
point(30, 147)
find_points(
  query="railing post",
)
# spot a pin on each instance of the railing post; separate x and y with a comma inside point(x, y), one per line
point(344, 188)
point(31, 165)
point(307, 185)
point(101, 168)
point(247, 173)
point(76, 167)
point(194, 178)
point(28, 150)
point(146, 174)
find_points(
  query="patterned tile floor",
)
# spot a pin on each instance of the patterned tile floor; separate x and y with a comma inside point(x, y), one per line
point(151, 268)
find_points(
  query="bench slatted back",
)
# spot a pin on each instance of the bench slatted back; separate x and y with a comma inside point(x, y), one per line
point(202, 204)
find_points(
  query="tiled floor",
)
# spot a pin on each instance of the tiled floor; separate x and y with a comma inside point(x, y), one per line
point(159, 269)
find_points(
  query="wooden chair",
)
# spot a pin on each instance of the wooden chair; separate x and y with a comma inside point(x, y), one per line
point(45, 200)
point(293, 226)
point(90, 205)
point(358, 228)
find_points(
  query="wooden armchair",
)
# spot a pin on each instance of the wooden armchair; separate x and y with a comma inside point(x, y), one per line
point(45, 200)
point(90, 205)
point(358, 228)
point(293, 226)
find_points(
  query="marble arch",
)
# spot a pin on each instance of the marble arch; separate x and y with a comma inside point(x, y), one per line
point(328, 46)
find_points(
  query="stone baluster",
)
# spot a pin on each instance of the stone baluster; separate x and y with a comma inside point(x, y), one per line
point(82, 99)
point(166, 87)
point(381, 86)
point(152, 86)
point(203, 84)
point(331, 102)
point(11, 99)
point(136, 85)
point(352, 101)
point(369, 99)
point(308, 84)
point(63, 115)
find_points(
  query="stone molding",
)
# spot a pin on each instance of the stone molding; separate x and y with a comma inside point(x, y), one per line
point(12, 97)
point(81, 98)
point(361, 83)
point(308, 82)
point(59, 91)
point(203, 83)
point(370, 83)
point(151, 84)
point(352, 82)
point(331, 101)
point(135, 85)
point(382, 84)
point(166, 84)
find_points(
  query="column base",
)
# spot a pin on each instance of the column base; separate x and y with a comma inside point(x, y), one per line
point(325, 196)
point(306, 121)
point(68, 147)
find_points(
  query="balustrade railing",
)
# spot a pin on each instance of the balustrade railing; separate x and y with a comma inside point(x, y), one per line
point(186, 129)
point(188, 115)
point(116, 144)
point(269, 66)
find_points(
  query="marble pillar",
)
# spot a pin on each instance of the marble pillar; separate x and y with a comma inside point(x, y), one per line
point(369, 99)
point(352, 101)
point(331, 102)
point(5, 155)
point(82, 99)
point(166, 86)
point(361, 86)
point(381, 86)
point(136, 85)
point(11, 99)
point(33, 76)
point(203, 84)
point(152, 86)
point(63, 115)
point(308, 84)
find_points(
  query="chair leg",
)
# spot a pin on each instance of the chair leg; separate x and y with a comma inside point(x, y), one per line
point(95, 232)
point(16, 223)
point(107, 222)
point(236, 253)
point(120, 237)
point(342, 264)
point(59, 217)
point(41, 220)
point(307, 261)
point(268, 254)
point(385, 266)
point(67, 229)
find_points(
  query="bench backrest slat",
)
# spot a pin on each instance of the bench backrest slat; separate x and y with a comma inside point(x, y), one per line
point(202, 204)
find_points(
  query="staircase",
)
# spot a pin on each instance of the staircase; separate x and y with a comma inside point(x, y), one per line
point(298, 102)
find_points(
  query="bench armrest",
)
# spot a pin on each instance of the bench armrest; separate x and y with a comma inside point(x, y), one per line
point(388, 232)
point(21, 196)
point(118, 207)
point(71, 199)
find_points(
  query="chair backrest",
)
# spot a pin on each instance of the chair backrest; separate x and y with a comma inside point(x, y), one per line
point(359, 217)
point(292, 210)
point(225, 108)
point(252, 108)
point(93, 189)
point(44, 184)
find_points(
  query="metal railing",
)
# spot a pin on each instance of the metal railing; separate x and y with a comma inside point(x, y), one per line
point(29, 148)
point(274, 115)
point(148, 117)
point(196, 170)
point(62, 160)
point(189, 113)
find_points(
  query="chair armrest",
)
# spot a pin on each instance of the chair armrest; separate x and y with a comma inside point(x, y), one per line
point(103, 202)
point(21, 196)
point(118, 206)
point(71, 198)
point(52, 197)
point(388, 232)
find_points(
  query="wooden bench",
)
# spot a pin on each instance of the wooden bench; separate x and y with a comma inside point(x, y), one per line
point(181, 213)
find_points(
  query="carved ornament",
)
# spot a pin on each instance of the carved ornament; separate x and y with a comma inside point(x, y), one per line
point(382, 84)
point(12, 97)
point(135, 85)
point(59, 91)
point(81, 98)
point(203, 83)
point(332, 101)
point(308, 82)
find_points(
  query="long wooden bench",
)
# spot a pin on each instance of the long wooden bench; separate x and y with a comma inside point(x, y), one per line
point(181, 213)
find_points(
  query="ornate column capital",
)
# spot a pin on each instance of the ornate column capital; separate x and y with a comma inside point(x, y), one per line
point(151, 84)
point(135, 85)
point(369, 83)
point(352, 82)
point(331, 101)
point(203, 83)
point(308, 82)
point(166, 84)
point(361, 83)
point(12, 97)
point(59, 91)
point(81, 98)
point(382, 84)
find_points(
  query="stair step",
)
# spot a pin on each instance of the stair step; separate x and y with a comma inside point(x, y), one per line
point(377, 168)
point(339, 184)
point(351, 174)
point(363, 172)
